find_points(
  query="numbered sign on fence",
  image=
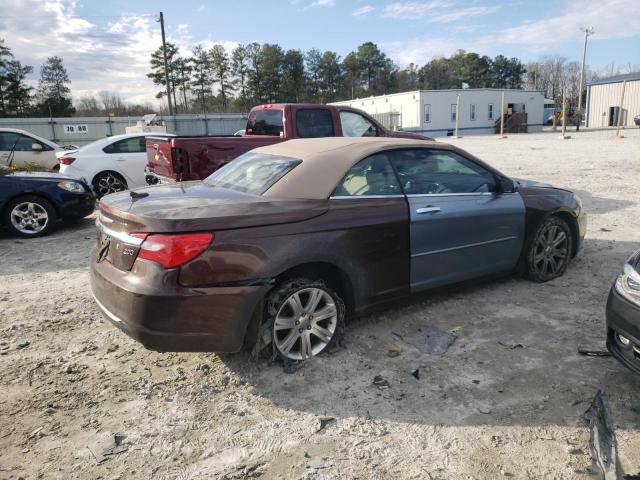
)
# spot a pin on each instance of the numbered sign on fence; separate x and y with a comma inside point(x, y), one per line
point(83, 129)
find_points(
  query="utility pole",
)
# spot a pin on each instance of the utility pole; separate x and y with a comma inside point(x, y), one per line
point(166, 64)
point(587, 31)
point(457, 116)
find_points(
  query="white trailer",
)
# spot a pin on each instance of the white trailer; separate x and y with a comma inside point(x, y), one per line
point(433, 112)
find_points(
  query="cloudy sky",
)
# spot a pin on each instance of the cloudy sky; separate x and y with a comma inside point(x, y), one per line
point(106, 44)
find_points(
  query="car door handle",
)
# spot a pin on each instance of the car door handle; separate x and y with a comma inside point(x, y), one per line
point(120, 159)
point(428, 210)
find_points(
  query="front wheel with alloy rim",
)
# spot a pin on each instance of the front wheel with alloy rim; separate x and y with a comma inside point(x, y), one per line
point(108, 182)
point(549, 250)
point(306, 318)
point(30, 216)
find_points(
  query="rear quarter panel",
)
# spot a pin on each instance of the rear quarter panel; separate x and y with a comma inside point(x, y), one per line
point(367, 239)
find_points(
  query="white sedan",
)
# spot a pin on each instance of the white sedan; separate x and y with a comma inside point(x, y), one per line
point(19, 148)
point(111, 164)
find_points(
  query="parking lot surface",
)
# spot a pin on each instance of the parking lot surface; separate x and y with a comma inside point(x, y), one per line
point(79, 399)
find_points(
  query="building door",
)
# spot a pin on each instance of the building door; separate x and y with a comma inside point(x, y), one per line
point(613, 116)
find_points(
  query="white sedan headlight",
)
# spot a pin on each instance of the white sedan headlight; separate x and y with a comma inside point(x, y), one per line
point(70, 186)
point(628, 284)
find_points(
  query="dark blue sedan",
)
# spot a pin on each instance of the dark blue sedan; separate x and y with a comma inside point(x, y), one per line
point(31, 203)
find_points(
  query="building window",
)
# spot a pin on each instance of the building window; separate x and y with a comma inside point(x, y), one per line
point(427, 113)
point(453, 112)
point(491, 111)
point(472, 112)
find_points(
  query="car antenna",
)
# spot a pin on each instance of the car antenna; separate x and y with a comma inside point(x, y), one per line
point(136, 195)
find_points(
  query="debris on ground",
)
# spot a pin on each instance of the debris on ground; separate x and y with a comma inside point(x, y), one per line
point(602, 440)
point(511, 346)
point(107, 446)
point(393, 351)
point(380, 382)
point(416, 374)
point(429, 340)
point(593, 353)
point(324, 422)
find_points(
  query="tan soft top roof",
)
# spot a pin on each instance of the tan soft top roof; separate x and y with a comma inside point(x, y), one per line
point(326, 160)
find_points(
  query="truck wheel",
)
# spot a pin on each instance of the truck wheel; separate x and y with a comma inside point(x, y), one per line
point(548, 251)
point(30, 216)
point(306, 318)
point(108, 182)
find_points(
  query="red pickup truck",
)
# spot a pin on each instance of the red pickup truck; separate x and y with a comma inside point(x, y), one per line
point(175, 159)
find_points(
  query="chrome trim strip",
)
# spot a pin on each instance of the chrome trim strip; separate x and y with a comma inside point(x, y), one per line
point(107, 312)
point(123, 237)
point(505, 239)
point(351, 197)
point(637, 350)
point(416, 195)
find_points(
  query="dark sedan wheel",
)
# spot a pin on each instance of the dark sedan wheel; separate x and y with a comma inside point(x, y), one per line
point(306, 318)
point(108, 182)
point(30, 216)
point(549, 250)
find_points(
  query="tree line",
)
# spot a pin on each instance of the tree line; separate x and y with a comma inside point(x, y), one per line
point(215, 80)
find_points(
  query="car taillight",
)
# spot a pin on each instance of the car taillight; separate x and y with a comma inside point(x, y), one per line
point(171, 251)
point(66, 160)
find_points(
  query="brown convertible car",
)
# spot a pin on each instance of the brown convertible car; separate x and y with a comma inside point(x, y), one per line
point(285, 242)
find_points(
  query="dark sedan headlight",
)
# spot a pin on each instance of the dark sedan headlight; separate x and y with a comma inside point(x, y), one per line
point(628, 284)
point(71, 186)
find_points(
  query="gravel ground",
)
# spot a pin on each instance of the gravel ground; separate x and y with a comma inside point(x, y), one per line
point(73, 388)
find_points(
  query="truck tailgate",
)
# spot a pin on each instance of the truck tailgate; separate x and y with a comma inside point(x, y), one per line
point(160, 157)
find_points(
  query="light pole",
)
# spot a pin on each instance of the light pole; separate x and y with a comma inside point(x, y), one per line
point(587, 31)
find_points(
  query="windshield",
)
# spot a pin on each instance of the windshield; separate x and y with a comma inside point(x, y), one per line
point(252, 172)
point(265, 122)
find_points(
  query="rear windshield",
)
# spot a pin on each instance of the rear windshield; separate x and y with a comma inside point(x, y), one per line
point(252, 172)
point(265, 122)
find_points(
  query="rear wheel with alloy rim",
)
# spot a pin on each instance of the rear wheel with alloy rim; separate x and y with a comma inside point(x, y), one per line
point(30, 216)
point(306, 318)
point(549, 250)
point(108, 182)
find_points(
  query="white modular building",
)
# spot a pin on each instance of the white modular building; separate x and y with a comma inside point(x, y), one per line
point(603, 101)
point(433, 112)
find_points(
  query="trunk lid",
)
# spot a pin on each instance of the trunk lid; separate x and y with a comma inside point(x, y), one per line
point(187, 207)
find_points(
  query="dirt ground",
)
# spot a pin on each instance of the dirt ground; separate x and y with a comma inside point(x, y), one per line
point(69, 381)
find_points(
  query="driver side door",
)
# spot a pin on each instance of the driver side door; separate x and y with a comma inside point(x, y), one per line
point(459, 228)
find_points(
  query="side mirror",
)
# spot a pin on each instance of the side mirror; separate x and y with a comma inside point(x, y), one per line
point(505, 185)
point(36, 147)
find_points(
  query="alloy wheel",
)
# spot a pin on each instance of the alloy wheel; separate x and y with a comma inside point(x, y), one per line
point(109, 183)
point(305, 323)
point(551, 251)
point(29, 218)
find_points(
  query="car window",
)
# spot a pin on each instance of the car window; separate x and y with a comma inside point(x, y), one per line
point(128, 145)
point(314, 123)
point(265, 122)
point(355, 125)
point(25, 144)
point(371, 176)
point(431, 171)
point(8, 140)
point(252, 172)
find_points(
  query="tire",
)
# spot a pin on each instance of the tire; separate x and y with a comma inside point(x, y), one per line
point(548, 250)
point(105, 183)
point(30, 216)
point(291, 307)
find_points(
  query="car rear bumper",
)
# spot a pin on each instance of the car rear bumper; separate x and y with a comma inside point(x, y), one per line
point(623, 318)
point(150, 306)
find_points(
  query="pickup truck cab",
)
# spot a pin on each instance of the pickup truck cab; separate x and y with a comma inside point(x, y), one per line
point(180, 158)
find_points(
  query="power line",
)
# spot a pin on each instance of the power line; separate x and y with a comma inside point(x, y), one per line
point(142, 15)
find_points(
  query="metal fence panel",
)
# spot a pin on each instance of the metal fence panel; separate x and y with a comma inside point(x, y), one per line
point(84, 130)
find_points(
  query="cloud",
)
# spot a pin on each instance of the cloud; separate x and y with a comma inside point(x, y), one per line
point(323, 3)
point(612, 19)
point(412, 10)
point(363, 11)
point(111, 55)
